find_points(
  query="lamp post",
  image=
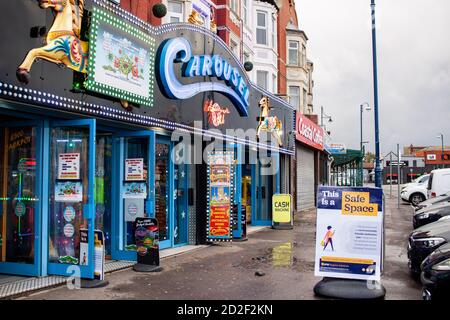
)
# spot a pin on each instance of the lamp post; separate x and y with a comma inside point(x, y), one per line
point(361, 108)
point(441, 136)
point(324, 116)
point(375, 89)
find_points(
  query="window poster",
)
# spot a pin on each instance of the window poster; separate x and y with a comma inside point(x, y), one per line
point(134, 208)
point(134, 169)
point(349, 233)
point(84, 247)
point(99, 255)
point(134, 190)
point(220, 196)
point(69, 166)
point(68, 191)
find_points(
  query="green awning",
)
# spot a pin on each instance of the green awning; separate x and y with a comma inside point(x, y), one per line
point(347, 158)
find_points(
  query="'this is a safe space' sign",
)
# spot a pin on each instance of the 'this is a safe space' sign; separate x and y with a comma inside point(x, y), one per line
point(349, 233)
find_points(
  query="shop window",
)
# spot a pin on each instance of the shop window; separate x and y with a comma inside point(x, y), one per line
point(19, 194)
point(261, 27)
point(261, 78)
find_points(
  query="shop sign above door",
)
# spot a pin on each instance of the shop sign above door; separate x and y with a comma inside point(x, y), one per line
point(179, 50)
point(309, 133)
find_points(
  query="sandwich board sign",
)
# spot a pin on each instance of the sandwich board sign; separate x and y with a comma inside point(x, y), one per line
point(349, 233)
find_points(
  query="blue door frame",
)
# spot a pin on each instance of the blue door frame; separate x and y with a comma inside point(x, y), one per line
point(256, 191)
point(34, 269)
point(88, 209)
point(118, 251)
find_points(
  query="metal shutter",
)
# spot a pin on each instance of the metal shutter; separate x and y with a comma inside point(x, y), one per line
point(305, 178)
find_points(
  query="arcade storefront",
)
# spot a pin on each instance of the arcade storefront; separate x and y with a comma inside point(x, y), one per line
point(104, 118)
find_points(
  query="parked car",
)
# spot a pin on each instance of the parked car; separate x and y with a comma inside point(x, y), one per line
point(439, 182)
point(415, 193)
point(435, 274)
point(431, 214)
point(424, 240)
point(432, 201)
point(422, 179)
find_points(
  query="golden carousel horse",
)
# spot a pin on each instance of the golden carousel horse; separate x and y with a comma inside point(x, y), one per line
point(63, 45)
point(269, 124)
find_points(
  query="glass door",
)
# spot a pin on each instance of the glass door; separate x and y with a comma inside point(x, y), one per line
point(180, 201)
point(20, 193)
point(133, 187)
point(266, 177)
point(71, 197)
point(164, 181)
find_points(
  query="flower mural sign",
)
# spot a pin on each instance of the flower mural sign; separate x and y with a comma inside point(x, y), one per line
point(121, 59)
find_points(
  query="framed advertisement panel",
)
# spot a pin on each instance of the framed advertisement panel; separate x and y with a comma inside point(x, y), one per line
point(121, 58)
point(349, 234)
point(220, 195)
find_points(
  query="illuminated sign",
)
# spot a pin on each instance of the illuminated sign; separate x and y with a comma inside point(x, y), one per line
point(309, 133)
point(120, 59)
point(180, 50)
point(216, 114)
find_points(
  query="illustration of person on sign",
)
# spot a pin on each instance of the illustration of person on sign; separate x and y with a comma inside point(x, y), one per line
point(328, 239)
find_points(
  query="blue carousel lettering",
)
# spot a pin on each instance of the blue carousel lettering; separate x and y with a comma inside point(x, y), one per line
point(179, 50)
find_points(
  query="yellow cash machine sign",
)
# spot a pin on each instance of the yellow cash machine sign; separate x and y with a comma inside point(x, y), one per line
point(281, 208)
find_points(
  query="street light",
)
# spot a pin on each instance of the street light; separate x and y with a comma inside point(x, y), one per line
point(361, 108)
point(441, 136)
point(324, 116)
point(375, 95)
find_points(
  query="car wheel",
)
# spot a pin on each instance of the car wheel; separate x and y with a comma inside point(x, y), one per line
point(416, 198)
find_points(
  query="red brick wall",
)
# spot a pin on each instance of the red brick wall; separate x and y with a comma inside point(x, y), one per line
point(286, 13)
point(223, 20)
point(142, 9)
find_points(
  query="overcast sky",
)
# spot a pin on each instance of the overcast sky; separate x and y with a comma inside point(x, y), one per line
point(413, 67)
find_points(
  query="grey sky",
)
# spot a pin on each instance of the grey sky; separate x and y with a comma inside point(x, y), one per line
point(413, 65)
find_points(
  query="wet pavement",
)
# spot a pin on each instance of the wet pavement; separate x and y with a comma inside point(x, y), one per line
point(272, 264)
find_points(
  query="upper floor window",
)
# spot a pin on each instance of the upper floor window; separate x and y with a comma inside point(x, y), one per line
point(261, 79)
point(235, 48)
point(245, 11)
point(274, 84)
point(293, 53)
point(294, 96)
point(234, 5)
point(303, 56)
point(175, 11)
point(305, 100)
point(261, 27)
point(274, 32)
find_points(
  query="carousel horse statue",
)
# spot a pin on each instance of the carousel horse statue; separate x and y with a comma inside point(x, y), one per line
point(63, 45)
point(269, 124)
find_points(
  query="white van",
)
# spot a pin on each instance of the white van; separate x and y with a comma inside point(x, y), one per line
point(439, 182)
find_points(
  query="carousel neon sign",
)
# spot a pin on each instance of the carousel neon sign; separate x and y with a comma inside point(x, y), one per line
point(180, 50)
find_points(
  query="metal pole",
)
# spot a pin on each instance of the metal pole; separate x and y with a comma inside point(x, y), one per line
point(375, 89)
point(361, 145)
point(398, 175)
point(390, 174)
point(321, 116)
point(442, 154)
